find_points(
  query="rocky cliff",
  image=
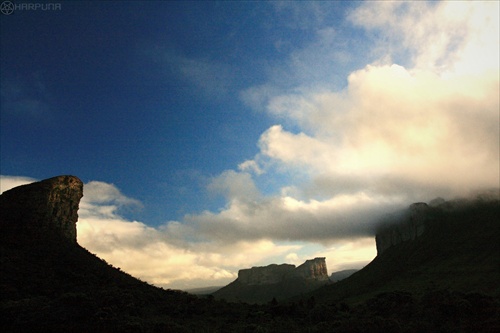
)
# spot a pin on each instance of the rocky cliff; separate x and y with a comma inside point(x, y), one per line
point(42, 208)
point(410, 225)
point(314, 269)
point(413, 222)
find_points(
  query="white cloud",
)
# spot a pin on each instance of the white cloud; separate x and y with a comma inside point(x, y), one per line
point(286, 218)
point(97, 192)
point(235, 186)
point(398, 130)
point(456, 36)
point(250, 166)
point(349, 254)
point(173, 255)
point(8, 182)
point(293, 149)
point(102, 200)
point(395, 123)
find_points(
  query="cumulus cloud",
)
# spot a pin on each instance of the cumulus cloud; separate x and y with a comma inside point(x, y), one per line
point(235, 186)
point(392, 123)
point(455, 36)
point(394, 129)
point(8, 182)
point(102, 200)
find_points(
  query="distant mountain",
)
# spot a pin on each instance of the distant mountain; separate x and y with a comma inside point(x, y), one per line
point(278, 282)
point(203, 290)
point(341, 275)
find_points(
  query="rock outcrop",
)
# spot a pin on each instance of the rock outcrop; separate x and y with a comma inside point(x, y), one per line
point(408, 227)
point(314, 269)
point(261, 284)
point(43, 208)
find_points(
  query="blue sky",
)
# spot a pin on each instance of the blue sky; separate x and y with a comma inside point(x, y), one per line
point(214, 136)
point(147, 96)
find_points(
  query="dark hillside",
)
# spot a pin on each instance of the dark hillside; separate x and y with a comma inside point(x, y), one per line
point(459, 251)
point(56, 285)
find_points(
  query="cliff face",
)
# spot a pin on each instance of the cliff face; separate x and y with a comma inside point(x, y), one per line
point(313, 269)
point(48, 206)
point(411, 226)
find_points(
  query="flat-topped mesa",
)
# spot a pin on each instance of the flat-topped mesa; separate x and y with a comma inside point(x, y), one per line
point(42, 208)
point(313, 269)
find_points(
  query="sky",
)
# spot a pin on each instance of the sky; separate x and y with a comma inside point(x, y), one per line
point(215, 136)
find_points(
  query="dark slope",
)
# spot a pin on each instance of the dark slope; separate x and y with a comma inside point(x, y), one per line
point(459, 251)
point(52, 285)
